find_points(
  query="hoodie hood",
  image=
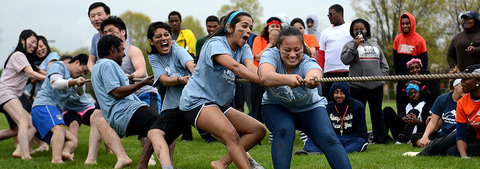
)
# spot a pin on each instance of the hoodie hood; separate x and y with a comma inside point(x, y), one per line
point(413, 24)
point(345, 87)
point(314, 29)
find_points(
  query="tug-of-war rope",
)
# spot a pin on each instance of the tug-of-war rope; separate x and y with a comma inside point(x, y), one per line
point(374, 78)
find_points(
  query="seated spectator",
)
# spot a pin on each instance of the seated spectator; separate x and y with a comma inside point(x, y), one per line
point(411, 117)
point(348, 119)
point(429, 89)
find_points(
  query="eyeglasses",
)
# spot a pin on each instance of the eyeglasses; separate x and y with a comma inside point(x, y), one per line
point(83, 68)
point(331, 14)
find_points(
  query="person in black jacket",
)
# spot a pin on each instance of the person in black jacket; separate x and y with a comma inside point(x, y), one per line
point(347, 116)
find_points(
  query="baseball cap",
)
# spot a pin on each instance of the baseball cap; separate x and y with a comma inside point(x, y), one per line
point(472, 69)
point(470, 14)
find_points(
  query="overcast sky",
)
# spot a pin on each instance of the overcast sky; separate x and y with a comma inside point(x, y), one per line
point(67, 22)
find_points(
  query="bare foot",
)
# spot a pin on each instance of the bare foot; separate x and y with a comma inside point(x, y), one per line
point(123, 163)
point(67, 156)
point(91, 161)
point(217, 165)
point(41, 148)
point(151, 161)
point(57, 161)
point(17, 154)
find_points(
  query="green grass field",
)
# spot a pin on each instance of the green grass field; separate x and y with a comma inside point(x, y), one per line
point(198, 154)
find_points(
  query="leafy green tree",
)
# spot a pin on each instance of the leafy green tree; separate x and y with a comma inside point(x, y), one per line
point(253, 7)
point(194, 25)
point(137, 26)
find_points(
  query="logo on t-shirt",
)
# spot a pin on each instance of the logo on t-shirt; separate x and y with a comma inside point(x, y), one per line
point(404, 48)
point(59, 117)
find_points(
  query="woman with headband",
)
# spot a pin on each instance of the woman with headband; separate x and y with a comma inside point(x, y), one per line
point(205, 97)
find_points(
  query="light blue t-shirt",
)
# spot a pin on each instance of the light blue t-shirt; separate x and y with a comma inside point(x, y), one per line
point(93, 48)
point(44, 65)
point(446, 108)
point(174, 65)
point(55, 97)
point(212, 82)
point(106, 76)
point(77, 103)
point(298, 99)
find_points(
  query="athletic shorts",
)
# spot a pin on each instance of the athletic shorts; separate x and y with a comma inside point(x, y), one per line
point(172, 120)
point(44, 118)
point(141, 121)
point(152, 99)
point(80, 117)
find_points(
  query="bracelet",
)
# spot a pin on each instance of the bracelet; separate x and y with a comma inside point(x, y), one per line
point(178, 80)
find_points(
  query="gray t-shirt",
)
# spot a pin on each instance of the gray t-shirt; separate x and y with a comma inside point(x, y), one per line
point(211, 82)
point(299, 99)
point(174, 65)
point(106, 76)
point(54, 97)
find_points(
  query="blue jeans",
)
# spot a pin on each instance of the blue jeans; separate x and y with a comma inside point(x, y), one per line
point(315, 123)
point(350, 143)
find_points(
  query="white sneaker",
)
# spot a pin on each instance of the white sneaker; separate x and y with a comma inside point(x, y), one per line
point(254, 164)
point(410, 154)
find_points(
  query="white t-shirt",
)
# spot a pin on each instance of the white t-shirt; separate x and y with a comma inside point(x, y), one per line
point(332, 40)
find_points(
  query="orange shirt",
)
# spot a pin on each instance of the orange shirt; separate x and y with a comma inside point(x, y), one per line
point(259, 43)
point(311, 41)
point(468, 111)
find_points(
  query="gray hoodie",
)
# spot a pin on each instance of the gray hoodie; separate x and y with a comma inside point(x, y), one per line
point(368, 60)
point(314, 30)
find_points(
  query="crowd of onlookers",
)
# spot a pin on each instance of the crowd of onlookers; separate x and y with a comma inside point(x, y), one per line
point(194, 85)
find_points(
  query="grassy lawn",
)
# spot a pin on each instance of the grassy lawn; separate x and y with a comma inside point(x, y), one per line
point(198, 154)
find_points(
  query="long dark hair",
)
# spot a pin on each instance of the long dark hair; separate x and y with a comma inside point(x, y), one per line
point(221, 30)
point(22, 48)
point(292, 31)
point(151, 32)
point(45, 42)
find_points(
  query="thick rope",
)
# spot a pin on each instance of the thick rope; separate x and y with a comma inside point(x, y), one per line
point(373, 78)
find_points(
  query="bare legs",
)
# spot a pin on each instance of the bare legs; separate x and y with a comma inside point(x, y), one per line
point(251, 132)
point(160, 146)
point(95, 137)
point(25, 128)
point(212, 120)
point(113, 141)
point(63, 144)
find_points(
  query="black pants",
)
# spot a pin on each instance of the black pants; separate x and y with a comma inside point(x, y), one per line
point(417, 136)
point(327, 86)
point(242, 96)
point(392, 122)
point(374, 98)
point(256, 99)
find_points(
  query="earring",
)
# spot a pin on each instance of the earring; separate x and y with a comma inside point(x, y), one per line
point(477, 85)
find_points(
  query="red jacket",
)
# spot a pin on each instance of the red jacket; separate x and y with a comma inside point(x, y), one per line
point(408, 46)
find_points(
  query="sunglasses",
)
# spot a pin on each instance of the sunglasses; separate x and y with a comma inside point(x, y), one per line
point(466, 18)
point(331, 14)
